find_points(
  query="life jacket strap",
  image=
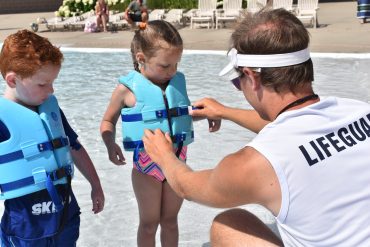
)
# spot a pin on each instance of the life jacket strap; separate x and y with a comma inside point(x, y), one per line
point(31, 150)
point(157, 114)
point(178, 111)
point(133, 144)
point(39, 176)
point(177, 138)
point(137, 145)
point(181, 137)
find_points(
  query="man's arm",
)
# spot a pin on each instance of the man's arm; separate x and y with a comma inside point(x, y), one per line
point(240, 178)
point(212, 109)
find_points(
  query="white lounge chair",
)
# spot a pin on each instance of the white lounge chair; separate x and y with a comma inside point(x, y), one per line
point(78, 23)
point(175, 16)
point(188, 14)
point(285, 4)
point(156, 14)
point(52, 24)
point(307, 11)
point(254, 6)
point(230, 11)
point(205, 13)
point(117, 21)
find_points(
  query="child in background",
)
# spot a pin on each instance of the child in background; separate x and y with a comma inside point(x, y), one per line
point(37, 150)
point(102, 15)
point(151, 96)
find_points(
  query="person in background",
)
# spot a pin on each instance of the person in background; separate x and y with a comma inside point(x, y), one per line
point(363, 10)
point(152, 95)
point(38, 148)
point(102, 15)
point(309, 163)
point(136, 12)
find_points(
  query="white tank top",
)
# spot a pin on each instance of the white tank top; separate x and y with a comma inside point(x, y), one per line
point(321, 155)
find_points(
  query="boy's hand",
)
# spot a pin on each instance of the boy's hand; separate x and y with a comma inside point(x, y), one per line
point(97, 197)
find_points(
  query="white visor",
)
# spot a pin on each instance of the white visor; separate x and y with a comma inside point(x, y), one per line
point(264, 61)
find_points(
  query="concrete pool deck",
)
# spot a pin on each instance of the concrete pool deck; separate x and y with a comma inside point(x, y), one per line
point(339, 32)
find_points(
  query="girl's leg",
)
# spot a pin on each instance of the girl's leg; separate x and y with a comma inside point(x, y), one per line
point(171, 205)
point(104, 22)
point(148, 192)
point(98, 23)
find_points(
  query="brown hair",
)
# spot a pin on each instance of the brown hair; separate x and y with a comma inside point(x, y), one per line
point(273, 32)
point(25, 52)
point(149, 37)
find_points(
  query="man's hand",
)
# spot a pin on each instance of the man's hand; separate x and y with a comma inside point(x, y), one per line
point(210, 109)
point(158, 145)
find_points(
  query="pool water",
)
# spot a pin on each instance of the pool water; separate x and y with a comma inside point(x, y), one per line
point(84, 87)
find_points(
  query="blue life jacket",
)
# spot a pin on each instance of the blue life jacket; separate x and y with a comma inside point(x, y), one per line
point(36, 156)
point(154, 110)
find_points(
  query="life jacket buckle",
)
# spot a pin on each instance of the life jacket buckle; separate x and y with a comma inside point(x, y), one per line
point(174, 112)
point(179, 138)
point(182, 137)
point(178, 111)
point(160, 114)
point(59, 142)
point(68, 169)
point(58, 174)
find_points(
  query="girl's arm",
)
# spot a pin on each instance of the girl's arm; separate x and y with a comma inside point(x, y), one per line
point(109, 121)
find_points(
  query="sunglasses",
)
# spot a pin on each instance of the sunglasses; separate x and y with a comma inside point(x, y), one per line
point(238, 73)
point(236, 83)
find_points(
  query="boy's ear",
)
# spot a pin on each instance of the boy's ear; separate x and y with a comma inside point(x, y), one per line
point(10, 79)
point(140, 58)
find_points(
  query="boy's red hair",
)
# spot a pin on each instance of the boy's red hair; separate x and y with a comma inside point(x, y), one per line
point(25, 52)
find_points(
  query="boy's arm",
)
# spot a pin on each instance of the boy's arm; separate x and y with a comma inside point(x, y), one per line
point(86, 167)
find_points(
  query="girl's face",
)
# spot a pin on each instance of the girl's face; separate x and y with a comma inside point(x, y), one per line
point(34, 90)
point(160, 68)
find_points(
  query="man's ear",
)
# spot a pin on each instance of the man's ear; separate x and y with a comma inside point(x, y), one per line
point(10, 79)
point(253, 76)
point(140, 58)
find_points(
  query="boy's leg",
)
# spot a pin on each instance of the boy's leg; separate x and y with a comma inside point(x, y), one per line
point(238, 227)
point(148, 192)
point(171, 205)
point(70, 233)
point(67, 238)
point(10, 241)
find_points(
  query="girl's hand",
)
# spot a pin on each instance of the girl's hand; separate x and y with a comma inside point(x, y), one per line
point(116, 155)
point(214, 125)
